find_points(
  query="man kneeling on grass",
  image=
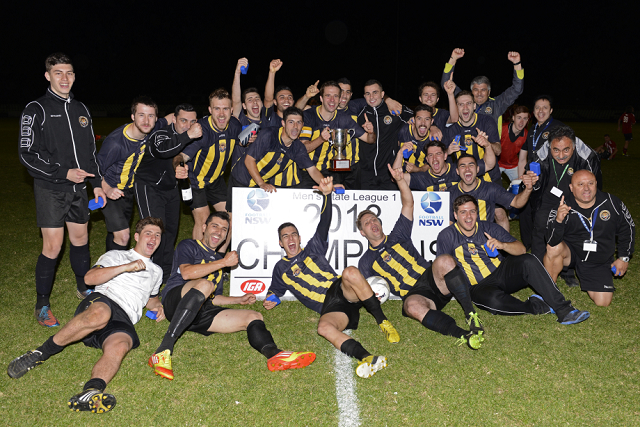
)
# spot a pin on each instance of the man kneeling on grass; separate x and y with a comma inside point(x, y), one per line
point(193, 295)
point(124, 282)
point(310, 277)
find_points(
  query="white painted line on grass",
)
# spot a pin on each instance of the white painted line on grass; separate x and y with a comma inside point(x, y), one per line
point(348, 411)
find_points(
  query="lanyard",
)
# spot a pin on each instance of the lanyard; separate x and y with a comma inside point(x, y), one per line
point(593, 223)
point(556, 173)
point(535, 130)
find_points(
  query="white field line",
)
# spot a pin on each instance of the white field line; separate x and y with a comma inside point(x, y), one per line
point(348, 411)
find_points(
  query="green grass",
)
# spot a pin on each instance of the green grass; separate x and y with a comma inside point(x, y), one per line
point(531, 370)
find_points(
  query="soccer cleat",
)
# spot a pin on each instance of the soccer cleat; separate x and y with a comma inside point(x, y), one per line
point(540, 305)
point(474, 323)
point(23, 364)
point(46, 318)
point(389, 331)
point(161, 364)
point(290, 360)
point(83, 294)
point(576, 316)
point(472, 340)
point(93, 400)
point(370, 365)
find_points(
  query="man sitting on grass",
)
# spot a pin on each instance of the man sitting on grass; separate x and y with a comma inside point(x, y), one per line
point(124, 282)
point(193, 296)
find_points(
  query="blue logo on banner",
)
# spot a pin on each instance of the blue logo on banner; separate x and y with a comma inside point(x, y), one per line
point(258, 200)
point(431, 203)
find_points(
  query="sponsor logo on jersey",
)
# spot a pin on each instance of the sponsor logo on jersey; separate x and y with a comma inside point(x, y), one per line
point(84, 122)
point(252, 287)
point(605, 215)
point(387, 120)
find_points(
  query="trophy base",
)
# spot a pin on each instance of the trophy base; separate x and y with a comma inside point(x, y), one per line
point(340, 165)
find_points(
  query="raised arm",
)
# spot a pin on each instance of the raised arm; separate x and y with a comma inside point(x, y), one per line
point(274, 66)
point(236, 89)
point(405, 192)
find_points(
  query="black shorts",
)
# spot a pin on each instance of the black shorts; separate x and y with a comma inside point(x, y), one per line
point(117, 213)
point(628, 136)
point(426, 287)
point(119, 322)
point(334, 301)
point(54, 208)
point(593, 277)
point(213, 193)
point(204, 318)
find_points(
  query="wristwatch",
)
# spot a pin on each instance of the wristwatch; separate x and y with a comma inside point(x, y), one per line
point(624, 258)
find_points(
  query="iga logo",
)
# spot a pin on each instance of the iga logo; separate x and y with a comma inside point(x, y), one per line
point(431, 203)
point(258, 200)
point(252, 287)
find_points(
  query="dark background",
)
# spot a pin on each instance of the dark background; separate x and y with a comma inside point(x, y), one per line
point(586, 58)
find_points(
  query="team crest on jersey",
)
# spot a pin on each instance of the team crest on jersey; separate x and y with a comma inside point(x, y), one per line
point(570, 171)
point(442, 187)
point(473, 250)
point(279, 161)
point(296, 270)
point(605, 215)
point(488, 110)
point(223, 147)
point(387, 120)
point(545, 135)
point(468, 140)
point(387, 258)
point(84, 122)
point(142, 147)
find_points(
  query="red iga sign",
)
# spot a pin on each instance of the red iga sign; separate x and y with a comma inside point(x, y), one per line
point(252, 287)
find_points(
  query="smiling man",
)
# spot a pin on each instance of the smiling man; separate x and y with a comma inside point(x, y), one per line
point(125, 281)
point(307, 274)
point(119, 157)
point(584, 236)
point(58, 148)
point(248, 106)
point(192, 301)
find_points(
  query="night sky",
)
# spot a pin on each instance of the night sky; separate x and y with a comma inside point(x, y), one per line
point(181, 51)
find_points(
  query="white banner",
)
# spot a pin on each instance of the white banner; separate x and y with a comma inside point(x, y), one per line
point(258, 214)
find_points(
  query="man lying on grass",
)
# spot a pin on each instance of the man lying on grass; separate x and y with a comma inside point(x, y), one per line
point(124, 282)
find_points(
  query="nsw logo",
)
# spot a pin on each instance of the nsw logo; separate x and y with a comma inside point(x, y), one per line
point(252, 287)
point(258, 200)
point(431, 203)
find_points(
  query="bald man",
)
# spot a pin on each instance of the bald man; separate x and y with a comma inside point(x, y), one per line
point(584, 237)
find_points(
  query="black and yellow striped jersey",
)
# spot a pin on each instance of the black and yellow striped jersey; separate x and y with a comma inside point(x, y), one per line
point(264, 121)
point(407, 134)
point(469, 252)
point(209, 155)
point(314, 124)
point(488, 195)
point(307, 275)
point(275, 161)
point(428, 181)
point(395, 259)
point(440, 118)
point(487, 125)
point(193, 252)
point(120, 155)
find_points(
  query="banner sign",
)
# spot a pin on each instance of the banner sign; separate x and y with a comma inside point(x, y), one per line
point(258, 214)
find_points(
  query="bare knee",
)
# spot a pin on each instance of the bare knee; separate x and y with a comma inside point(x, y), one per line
point(554, 251)
point(121, 237)
point(601, 299)
point(353, 276)
point(416, 306)
point(205, 286)
point(253, 315)
point(118, 344)
point(324, 328)
point(443, 264)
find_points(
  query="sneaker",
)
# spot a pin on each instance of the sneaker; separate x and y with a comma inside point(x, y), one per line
point(472, 340)
point(83, 294)
point(93, 400)
point(570, 279)
point(540, 306)
point(161, 364)
point(46, 318)
point(576, 316)
point(290, 360)
point(23, 364)
point(474, 323)
point(389, 332)
point(370, 365)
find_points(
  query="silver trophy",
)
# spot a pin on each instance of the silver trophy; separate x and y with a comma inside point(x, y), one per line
point(339, 142)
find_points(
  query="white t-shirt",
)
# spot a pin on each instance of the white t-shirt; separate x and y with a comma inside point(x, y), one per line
point(131, 291)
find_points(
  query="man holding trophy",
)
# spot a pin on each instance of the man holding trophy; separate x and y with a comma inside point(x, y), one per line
point(319, 125)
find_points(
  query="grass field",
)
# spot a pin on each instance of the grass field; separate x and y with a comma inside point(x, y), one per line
point(530, 371)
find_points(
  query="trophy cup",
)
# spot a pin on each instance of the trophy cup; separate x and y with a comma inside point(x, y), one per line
point(338, 142)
